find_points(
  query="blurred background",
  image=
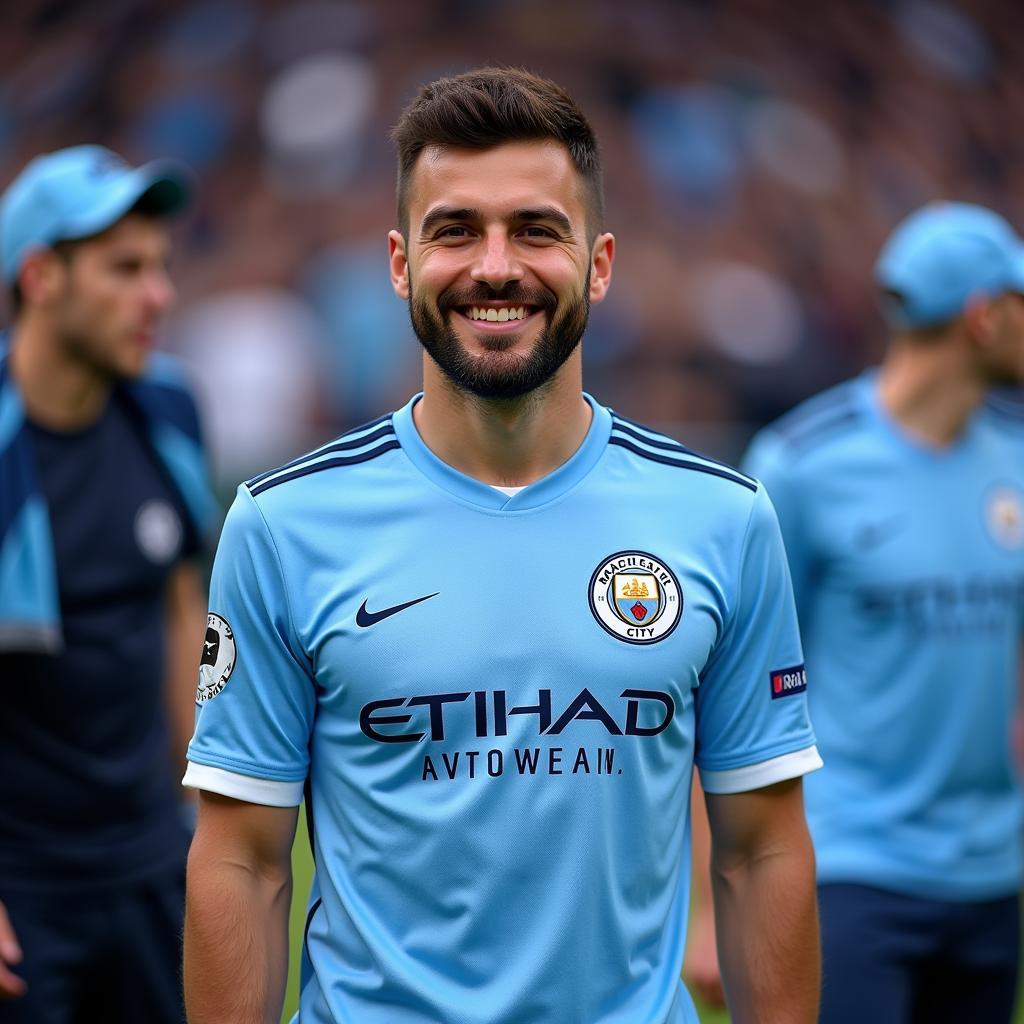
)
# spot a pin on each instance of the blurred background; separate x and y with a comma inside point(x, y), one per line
point(757, 152)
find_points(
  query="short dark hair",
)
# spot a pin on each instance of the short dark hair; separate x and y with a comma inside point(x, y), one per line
point(490, 106)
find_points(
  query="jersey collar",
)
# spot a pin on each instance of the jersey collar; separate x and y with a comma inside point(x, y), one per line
point(468, 489)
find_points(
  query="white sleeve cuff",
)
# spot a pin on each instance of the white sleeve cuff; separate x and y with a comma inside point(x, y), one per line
point(757, 776)
point(242, 787)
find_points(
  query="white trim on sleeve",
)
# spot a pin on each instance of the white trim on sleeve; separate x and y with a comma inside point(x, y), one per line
point(242, 787)
point(756, 776)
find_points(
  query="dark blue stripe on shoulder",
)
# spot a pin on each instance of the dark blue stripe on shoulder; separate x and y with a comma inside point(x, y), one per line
point(341, 445)
point(817, 410)
point(821, 429)
point(665, 442)
point(699, 467)
point(1006, 407)
point(316, 467)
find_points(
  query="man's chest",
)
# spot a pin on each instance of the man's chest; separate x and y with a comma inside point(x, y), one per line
point(937, 552)
point(117, 522)
point(496, 627)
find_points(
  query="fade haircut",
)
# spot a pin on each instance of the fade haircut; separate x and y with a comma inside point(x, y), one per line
point(488, 107)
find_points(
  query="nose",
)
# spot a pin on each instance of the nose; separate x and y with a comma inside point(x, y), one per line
point(160, 290)
point(496, 263)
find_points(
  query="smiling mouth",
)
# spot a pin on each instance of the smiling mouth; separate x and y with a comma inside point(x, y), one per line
point(497, 314)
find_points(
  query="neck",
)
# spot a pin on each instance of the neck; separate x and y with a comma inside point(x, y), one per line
point(929, 389)
point(509, 442)
point(57, 389)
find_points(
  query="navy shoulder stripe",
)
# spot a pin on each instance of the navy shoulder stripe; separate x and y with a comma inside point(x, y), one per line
point(819, 408)
point(346, 442)
point(1006, 408)
point(316, 467)
point(658, 440)
point(821, 429)
point(681, 463)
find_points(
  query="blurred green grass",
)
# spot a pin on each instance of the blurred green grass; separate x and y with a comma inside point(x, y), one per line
point(302, 868)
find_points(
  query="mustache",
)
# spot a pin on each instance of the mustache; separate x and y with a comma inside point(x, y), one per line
point(514, 291)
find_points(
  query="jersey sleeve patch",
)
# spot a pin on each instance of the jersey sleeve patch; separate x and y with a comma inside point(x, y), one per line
point(766, 773)
point(787, 681)
point(218, 658)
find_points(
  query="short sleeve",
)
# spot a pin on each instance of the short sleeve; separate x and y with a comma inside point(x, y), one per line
point(751, 708)
point(256, 697)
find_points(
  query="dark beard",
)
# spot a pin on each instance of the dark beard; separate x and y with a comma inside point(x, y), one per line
point(501, 375)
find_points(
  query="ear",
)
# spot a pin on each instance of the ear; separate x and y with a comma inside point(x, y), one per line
point(41, 276)
point(601, 257)
point(399, 262)
point(979, 317)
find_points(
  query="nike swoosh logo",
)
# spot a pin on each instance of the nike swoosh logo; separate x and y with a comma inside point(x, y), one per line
point(873, 535)
point(365, 618)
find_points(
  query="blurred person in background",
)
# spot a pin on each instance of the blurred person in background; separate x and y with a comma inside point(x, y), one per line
point(103, 510)
point(455, 631)
point(901, 499)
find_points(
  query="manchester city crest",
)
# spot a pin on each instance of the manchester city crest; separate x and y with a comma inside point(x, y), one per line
point(1004, 514)
point(636, 597)
point(218, 658)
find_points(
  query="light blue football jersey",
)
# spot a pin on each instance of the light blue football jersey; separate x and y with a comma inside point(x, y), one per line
point(908, 568)
point(492, 705)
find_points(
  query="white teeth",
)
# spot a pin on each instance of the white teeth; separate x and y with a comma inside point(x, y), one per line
point(497, 315)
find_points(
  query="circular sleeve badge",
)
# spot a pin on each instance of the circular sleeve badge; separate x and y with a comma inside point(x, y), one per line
point(218, 660)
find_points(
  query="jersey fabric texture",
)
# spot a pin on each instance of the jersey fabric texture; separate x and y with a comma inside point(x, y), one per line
point(493, 705)
point(908, 569)
point(83, 730)
point(29, 602)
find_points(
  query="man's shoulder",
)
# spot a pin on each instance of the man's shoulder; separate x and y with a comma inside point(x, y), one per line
point(656, 458)
point(1004, 412)
point(164, 394)
point(318, 469)
point(818, 430)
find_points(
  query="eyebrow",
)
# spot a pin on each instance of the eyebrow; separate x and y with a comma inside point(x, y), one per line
point(551, 214)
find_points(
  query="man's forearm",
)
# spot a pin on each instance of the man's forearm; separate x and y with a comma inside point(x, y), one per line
point(767, 920)
point(236, 940)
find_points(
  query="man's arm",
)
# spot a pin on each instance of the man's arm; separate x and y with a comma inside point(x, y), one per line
point(236, 912)
point(700, 968)
point(11, 985)
point(185, 620)
point(762, 875)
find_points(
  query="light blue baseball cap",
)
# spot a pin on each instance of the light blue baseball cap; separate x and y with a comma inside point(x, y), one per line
point(79, 192)
point(943, 254)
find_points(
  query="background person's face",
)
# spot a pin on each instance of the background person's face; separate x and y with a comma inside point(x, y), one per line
point(1004, 353)
point(498, 267)
point(114, 294)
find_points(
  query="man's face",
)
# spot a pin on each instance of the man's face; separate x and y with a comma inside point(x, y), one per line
point(113, 292)
point(1004, 353)
point(497, 268)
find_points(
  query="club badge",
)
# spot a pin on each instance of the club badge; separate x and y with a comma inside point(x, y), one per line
point(218, 660)
point(1004, 514)
point(636, 597)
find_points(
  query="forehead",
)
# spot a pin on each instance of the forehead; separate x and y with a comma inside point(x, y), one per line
point(514, 175)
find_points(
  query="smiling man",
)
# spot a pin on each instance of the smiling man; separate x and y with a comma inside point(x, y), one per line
point(487, 636)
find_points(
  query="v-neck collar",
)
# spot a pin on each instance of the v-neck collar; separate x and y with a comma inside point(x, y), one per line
point(475, 492)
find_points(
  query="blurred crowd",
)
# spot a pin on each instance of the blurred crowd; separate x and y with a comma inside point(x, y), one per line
point(756, 154)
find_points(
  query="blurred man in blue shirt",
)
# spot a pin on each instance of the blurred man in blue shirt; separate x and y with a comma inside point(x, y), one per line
point(103, 506)
point(901, 499)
